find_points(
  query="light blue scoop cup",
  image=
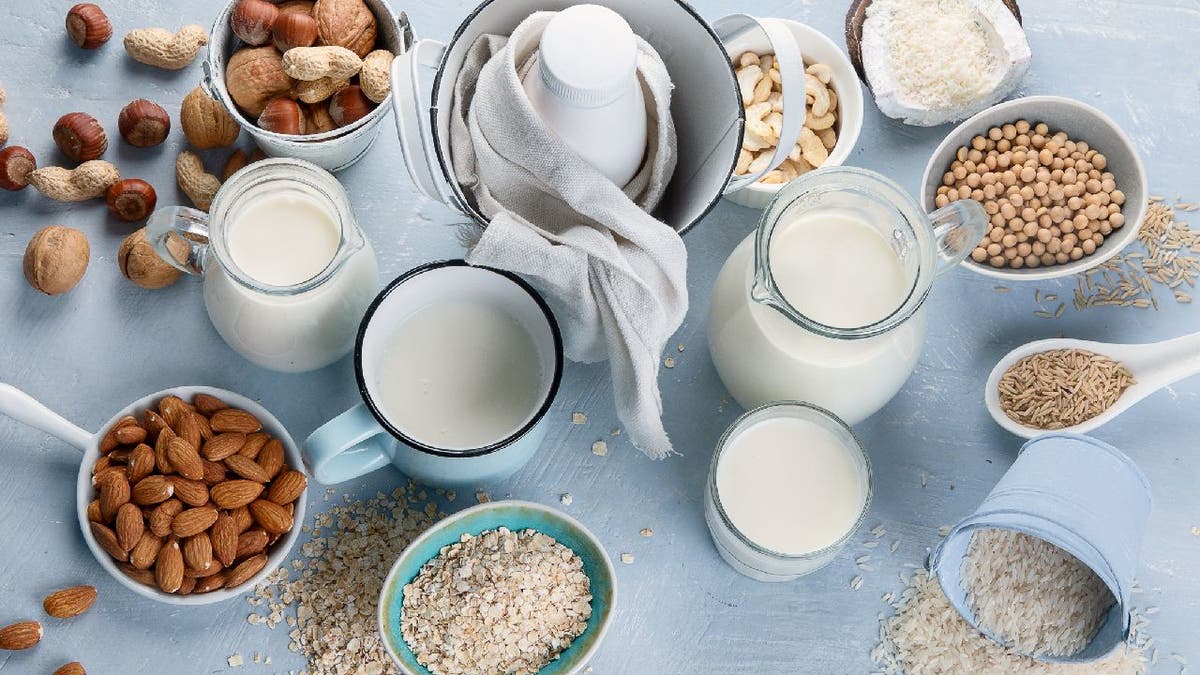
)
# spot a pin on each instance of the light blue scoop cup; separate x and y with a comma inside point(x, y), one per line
point(363, 439)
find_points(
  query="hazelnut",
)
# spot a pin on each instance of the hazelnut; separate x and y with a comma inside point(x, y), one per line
point(144, 124)
point(205, 123)
point(80, 137)
point(131, 199)
point(251, 21)
point(15, 164)
point(88, 26)
point(282, 116)
point(142, 265)
point(294, 29)
point(254, 76)
point(346, 23)
point(56, 259)
point(349, 105)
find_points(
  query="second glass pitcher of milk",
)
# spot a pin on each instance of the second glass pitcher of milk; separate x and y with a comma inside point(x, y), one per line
point(287, 271)
point(823, 303)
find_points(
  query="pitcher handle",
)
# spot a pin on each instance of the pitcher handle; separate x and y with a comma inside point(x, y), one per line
point(958, 229)
point(347, 446)
point(179, 236)
point(414, 116)
point(27, 410)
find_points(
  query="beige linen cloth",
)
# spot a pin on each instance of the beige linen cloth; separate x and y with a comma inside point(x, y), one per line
point(615, 277)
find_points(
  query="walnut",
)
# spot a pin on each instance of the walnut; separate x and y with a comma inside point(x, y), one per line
point(346, 23)
point(56, 259)
point(254, 76)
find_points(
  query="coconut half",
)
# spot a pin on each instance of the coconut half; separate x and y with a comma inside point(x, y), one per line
point(871, 31)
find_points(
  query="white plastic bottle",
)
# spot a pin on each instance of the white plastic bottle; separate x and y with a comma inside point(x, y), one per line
point(585, 86)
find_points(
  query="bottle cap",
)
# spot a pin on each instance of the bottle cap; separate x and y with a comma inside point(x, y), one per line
point(588, 56)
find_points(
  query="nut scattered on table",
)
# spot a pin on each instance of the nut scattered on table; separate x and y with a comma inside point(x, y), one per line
point(192, 536)
point(161, 48)
point(131, 199)
point(143, 123)
point(88, 26)
point(69, 602)
point(205, 123)
point(80, 137)
point(16, 163)
point(56, 259)
point(20, 635)
point(89, 180)
point(761, 87)
point(199, 185)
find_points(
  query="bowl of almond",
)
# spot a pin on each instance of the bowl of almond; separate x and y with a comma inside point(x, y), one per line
point(188, 496)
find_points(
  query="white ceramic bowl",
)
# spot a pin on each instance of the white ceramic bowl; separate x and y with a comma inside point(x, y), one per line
point(1082, 123)
point(816, 48)
point(23, 408)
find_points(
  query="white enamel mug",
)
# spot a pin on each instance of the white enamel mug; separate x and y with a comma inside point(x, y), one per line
point(364, 438)
point(25, 409)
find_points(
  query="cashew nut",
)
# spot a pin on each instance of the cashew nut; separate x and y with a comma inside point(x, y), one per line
point(161, 48)
point(762, 90)
point(819, 95)
point(200, 186)
point(776, 101)
point(767, 63)
point(775, 122)
point(315, 91)
point(826, 121)
point(747, 79)
point(748, 59)
point(89, 180)
point(376, 75)
point(760, 163)
point(313, 63)
point(828, 138)
point(789, 170)
point(743, 163)
point(772, 178)
point(822, 71)
point(811, 148)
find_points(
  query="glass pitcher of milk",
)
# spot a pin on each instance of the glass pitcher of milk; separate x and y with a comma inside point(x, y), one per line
point(287, 272)
point(823, 303)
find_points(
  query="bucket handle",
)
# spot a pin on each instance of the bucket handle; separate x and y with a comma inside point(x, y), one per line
point(411, 104)
point(791, 71)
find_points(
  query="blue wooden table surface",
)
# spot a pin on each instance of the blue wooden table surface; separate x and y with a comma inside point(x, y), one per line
point(681, 610)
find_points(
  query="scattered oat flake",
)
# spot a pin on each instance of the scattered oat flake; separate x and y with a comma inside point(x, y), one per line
point(669, 362)
point(944, 531)
point(235, 661)
point(566, 499)
point(627, 558)
point(680, 347)
point(600, 448)
point(647, 532)
point(578, 418)
point(1002, 289)
point(856, 583)
point(1196, 531)
point(615, 432)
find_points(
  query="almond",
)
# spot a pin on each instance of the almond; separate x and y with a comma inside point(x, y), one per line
point(190, 492)
point(160, 451)
point(70, 602)
point(107, 539)
point(210, 583)
point(145, 551)
point(141, 463)
point(188, 429)
point(224, 539)
point(154, 424)
point(21, 635)
point(152, 490)
point(182, 455)
point(130, 525)
point(232, 419)
point(234, 493)
point(145, 577)
point(271, 457)
point(207, 405)
point(119, 456)
point(110, 442)
point(242, 518)
point(214, 472)
point(171, 407)
point(254, 445)
point(288, 487)
point(160, 519)
point(102, 463)
point(99, 478)
point(114, 492)
point(251, 543)
point(93, 511)
point(197, 551)
point(248, 468)
point(223, 445)
point(245, 570)
point(208, 570)
point(186, 587)
point(72, 668)
point(206, 432)
point(191, 522)
point(130, 434)
point(168, 568)
point(271, 516)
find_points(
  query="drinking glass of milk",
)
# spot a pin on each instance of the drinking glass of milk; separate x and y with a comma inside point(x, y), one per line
point(789, 484)
point(457, 366)
point(824, 302)
point(287, 271)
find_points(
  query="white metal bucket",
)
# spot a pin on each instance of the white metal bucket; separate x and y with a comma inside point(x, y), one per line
point(706, 105)
point(333, 150)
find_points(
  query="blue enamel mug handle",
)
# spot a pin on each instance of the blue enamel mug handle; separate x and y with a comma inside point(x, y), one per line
point(348, 446)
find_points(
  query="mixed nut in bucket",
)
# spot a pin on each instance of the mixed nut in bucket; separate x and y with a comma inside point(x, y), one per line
point(200, 517)
point(1072, 512)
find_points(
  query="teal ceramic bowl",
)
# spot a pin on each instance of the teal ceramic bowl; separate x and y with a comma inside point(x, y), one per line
point(515, 515)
